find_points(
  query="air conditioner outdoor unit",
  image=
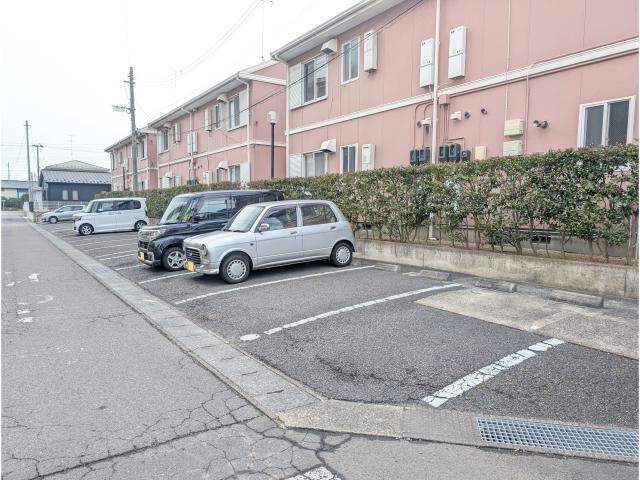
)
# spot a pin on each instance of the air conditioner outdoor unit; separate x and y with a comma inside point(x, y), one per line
point(329, 146)
point(330, 46)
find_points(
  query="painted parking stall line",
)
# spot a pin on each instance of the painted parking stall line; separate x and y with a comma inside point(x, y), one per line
point(115, 253)
point(483, 374)
point(107, 246)
point(272, 282)
point(118, 256)
point(332, 313)
point(131, 266)
point(165, 277)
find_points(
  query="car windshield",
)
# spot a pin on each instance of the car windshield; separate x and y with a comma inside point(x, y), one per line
point(177, 210)
point(87, 208)
point(244, 219)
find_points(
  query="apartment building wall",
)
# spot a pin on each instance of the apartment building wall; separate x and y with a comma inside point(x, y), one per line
point(229, 152)
point(120, 156)
point(559, 55)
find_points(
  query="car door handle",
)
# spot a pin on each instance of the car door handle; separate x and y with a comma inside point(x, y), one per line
point(332, 228)
point(292, 233)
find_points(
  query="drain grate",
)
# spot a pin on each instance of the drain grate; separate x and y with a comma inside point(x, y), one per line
point(563, 438)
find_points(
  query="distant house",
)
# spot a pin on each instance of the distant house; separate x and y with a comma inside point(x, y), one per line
point(73, 181)
point(15, 188)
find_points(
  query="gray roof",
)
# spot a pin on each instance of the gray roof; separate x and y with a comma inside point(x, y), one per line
point(68, 176)
point(76, 166)
point(16, 184)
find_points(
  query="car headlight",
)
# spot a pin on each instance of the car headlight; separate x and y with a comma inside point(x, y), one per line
point(203, 250)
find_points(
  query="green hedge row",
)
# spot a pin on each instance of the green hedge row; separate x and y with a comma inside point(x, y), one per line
point(590, 194)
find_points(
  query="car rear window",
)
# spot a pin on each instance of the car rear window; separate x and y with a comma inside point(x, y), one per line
point(317, 215)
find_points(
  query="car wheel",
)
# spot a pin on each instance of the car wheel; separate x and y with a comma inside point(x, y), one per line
point(235, 268)
point(341, 255)
point(53, 219)
point(139, 224)
point(85, 229)
point(173, 259)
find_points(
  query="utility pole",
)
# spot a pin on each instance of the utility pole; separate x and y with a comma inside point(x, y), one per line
point(134, 146)
point(26, 126)
point(37, 146)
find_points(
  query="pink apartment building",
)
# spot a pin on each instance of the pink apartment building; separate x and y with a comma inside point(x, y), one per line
point(122, 166)
point(506, 77)
point(224, 134)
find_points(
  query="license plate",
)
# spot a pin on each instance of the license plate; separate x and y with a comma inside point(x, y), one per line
point(190, 266)
point(141, 256)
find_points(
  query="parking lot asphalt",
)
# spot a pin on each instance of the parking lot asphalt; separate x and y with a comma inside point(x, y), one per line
point(357, 334)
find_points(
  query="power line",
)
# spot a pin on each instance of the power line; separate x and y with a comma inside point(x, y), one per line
point(201, 58)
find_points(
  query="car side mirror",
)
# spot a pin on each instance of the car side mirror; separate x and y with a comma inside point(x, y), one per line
point(263, 227)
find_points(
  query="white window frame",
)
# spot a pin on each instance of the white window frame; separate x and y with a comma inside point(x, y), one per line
point(176, 133)
point(233, 177)
point(230, 117)
point(74, 195)
point(582, 122)
point(355, 165)
point(302, 79)
point(304, 163)
point(217, 120)
point(65, 195)
point(162, 142)
point(357, 51)
point(142, 148)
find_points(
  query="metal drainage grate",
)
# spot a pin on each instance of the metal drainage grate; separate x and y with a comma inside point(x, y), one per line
point(563, 438)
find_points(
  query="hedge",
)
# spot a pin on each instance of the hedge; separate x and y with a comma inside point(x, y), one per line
point(589, 194)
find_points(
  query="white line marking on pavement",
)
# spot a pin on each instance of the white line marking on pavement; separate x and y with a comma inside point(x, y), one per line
point(483, 374)
point(11, 284)
point(131, 266)
point(25, 320)
point(332, 313)
point(319, 473)
point(23, 312)
point(84, 242)
point(164, 277)
point(119, 256)
point(34, 277)
point(115, 253)
point(108, 246)
point(47, 299)
point(272, 282)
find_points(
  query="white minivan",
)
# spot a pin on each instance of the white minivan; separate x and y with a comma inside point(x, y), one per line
point(111, 215)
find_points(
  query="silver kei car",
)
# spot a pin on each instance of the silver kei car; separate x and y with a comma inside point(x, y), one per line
point(271, 234)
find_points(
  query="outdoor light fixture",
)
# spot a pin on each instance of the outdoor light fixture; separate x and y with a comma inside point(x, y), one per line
point(540, 123)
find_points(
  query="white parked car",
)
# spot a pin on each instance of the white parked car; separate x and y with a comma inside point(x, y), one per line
point(270, 234)
point(111, 215)
point(63, 213)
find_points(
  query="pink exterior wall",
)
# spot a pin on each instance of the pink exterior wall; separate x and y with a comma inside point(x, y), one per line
point(224, 145)
point(539, 31)
point(147, 167)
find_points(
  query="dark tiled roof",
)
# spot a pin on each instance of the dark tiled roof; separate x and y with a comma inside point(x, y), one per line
point(68, 176)
point(75, 166)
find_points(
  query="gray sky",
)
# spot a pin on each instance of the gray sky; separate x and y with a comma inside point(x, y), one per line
point(63, 64)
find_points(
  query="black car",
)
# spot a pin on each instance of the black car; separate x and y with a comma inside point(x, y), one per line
point(193, 214)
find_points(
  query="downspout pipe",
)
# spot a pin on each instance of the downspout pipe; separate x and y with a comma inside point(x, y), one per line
point(434, 119)
point(286, 114)
point(191, 152)
point(246, 84)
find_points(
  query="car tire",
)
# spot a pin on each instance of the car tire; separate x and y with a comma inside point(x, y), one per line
point(173, 259)
point(235, 268)
point(53, 220)
point(342, 254)
point(85, 229)
point(139, 224)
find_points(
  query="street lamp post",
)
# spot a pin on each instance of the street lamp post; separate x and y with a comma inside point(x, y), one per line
point(272, 121)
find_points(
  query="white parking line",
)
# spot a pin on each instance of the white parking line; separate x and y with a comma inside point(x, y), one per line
point(164, 277)
point(80, 241)
point(474, 379)
point(272, 282)
point(131, 266)
point(115, 253)
point(119, 256)
point(109, 246)
point(254, 336)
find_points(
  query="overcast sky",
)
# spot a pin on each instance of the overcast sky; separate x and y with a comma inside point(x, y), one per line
point(63, 64)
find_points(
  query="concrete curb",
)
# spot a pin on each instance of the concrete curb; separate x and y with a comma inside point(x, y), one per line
point(281, 398)
point(436, 275)
point(389, 267)
point(577, 298)
point(501, 286)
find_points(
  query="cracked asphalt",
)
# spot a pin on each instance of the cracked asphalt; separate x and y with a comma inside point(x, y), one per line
point(90, 390)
